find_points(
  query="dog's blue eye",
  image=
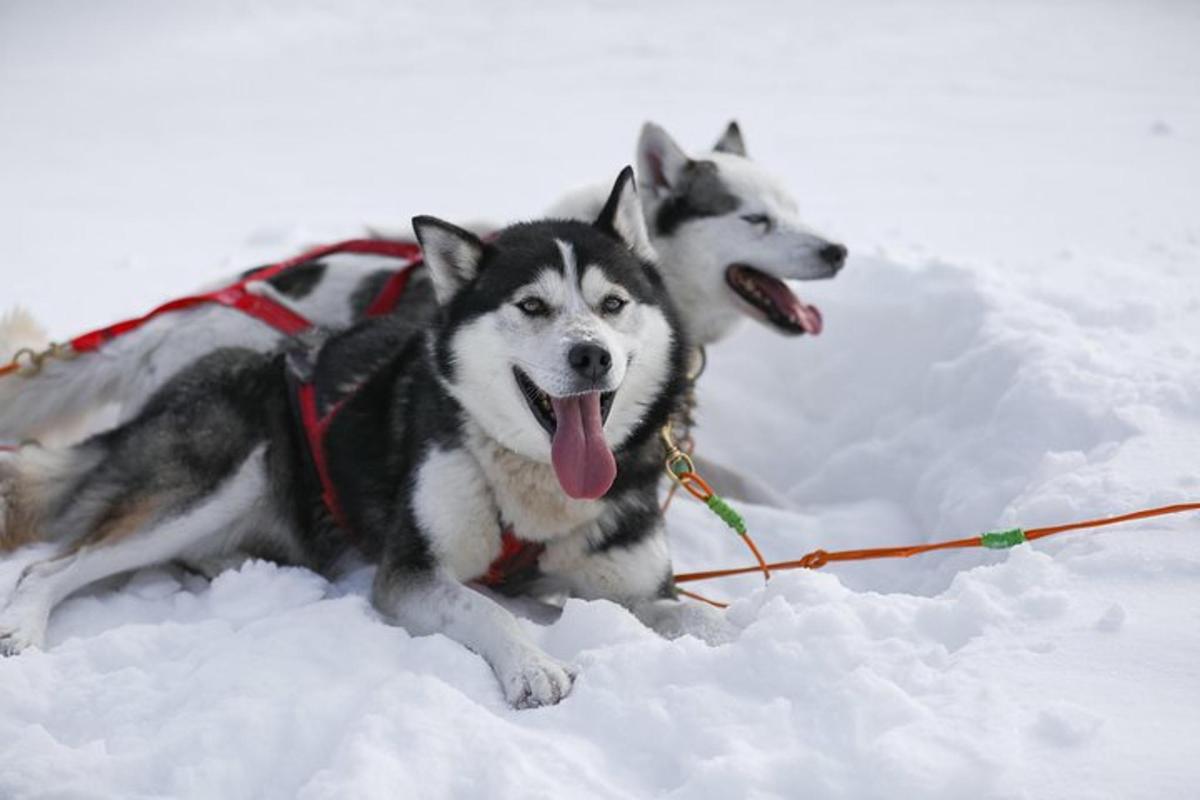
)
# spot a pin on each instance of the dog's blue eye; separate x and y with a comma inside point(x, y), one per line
point(612, 304)
point(534, 307)
point(759, 219)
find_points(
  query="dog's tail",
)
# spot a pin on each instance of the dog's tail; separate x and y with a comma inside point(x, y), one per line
point(35, 482)
point(59, 396)
point(18, 329)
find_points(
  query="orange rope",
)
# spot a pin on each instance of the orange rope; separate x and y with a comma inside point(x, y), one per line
point(758, 556)
point(701, 598)
point(698, 488)
point(819, 558)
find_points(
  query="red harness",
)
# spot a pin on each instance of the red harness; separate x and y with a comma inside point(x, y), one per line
point(516, 556)
point(241, 295)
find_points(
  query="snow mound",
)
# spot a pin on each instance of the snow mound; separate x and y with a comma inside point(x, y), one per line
point(944, 401)
point(946, 404)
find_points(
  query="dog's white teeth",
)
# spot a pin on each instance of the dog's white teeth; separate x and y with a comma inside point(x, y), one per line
point(752, 289)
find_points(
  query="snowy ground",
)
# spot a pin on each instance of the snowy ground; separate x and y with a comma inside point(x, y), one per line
point(1015, 340)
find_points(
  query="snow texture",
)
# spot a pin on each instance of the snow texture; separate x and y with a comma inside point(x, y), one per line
point(1014, 341)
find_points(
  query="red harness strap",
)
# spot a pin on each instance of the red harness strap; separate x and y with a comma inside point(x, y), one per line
point(516, 556)
point(385, 302)
point(240, 296)
point(315, 427)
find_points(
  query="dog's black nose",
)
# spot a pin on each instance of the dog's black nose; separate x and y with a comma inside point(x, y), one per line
point(834, 255)
point(590, 360)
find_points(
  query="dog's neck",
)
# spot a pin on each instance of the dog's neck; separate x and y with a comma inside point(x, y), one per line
point(527, 493)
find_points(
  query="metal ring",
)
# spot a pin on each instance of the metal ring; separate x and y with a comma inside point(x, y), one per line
point(33, 361)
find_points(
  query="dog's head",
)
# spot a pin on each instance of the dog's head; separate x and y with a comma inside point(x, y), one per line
point(558, 338)
point(729, 237)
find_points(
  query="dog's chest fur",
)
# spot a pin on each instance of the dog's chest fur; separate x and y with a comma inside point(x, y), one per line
point(528, 495)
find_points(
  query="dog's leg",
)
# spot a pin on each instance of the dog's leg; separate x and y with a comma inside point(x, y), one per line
point(637, 575)
point(426, 595)
point(425, 603)
point(141, 534)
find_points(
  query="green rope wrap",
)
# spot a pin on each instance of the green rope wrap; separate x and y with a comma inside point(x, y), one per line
point(1000, 540)
point(723, 510)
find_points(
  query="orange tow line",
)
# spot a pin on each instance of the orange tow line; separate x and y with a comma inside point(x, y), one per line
point(996, 540)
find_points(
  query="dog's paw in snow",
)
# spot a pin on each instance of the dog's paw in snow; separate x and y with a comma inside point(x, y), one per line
point(15, 638)
point(22, 626)
point(535, 679)
point(672, 619)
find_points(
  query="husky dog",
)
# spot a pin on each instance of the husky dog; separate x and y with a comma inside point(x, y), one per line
point(529, 402)
point(726, 233)
point(728, 236)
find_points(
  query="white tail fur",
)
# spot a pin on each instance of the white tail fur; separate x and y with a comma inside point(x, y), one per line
point(18, 329)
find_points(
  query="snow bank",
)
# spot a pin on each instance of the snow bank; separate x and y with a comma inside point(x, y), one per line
point(1013, 342)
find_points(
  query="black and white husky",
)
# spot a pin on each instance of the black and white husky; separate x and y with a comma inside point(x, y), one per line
point(727, 235)
point(528, 401)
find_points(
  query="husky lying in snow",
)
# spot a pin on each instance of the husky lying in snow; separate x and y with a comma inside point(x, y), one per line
point(530, 401)
point(727, 236)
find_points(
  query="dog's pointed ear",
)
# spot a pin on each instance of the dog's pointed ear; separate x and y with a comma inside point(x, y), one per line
point(622, 216)
point(731, 140)
point(660, 160)
point(452, 255)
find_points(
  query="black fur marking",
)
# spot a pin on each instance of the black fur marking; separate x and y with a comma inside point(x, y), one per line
point(698, 193)
point(246, 273)
point(298, 282)
point(631, 527)
point(731, 141)
point(608, 215)
point(375, 446)
point(366, 291)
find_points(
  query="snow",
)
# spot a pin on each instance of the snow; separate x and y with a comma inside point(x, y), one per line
point(1013, 342)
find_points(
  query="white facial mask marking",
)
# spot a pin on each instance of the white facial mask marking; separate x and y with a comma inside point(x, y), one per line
point(639, 340)
point(574, 303)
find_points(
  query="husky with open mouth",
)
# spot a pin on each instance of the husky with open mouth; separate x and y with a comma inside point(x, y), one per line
point(729, 238)
point(528, 406)
point(729, 235)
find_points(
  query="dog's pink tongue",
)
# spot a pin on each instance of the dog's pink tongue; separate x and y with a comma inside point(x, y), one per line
point(808, 317)
point(584, 464)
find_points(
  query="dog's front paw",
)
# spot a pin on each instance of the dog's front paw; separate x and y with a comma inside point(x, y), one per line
point(535, 679)
point(15, 639)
